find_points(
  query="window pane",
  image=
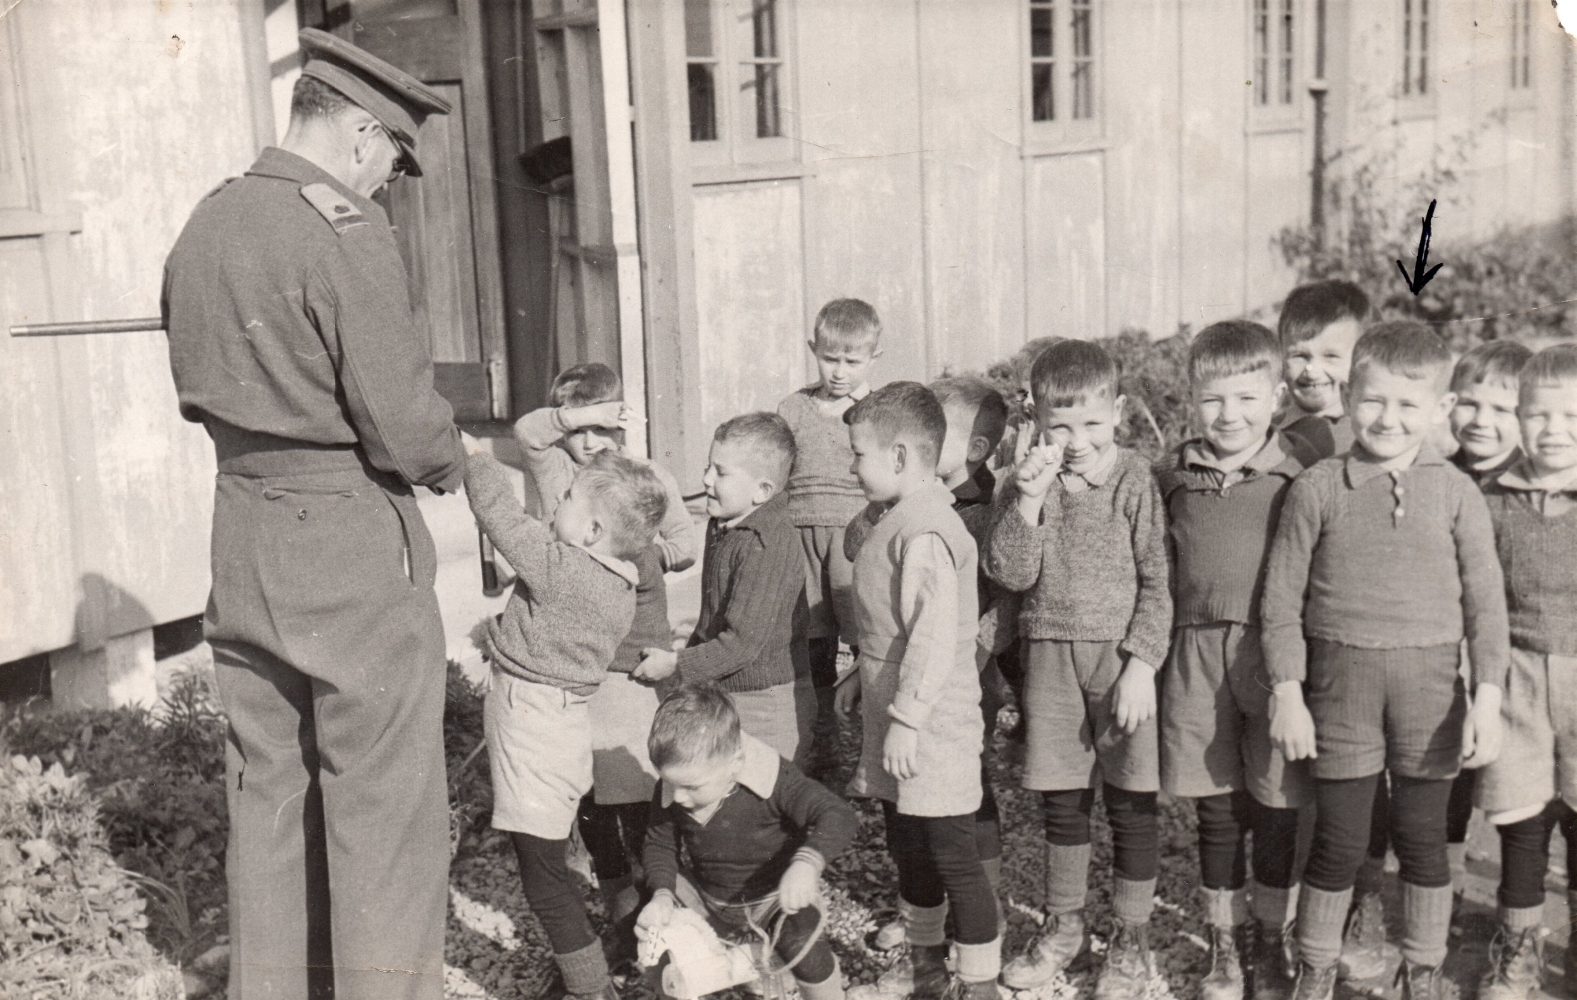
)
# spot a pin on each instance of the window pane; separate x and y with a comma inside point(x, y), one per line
point(1261, 51)
point(1040, 32)
point(765, 22)
point(698, 28)
point(1043, 104)
point(703, 102)
point(1423, 46)
point(1083, 60)
point(1081, 29)
point(1407, 46)
point(768, 119)
point(1083, 91)
point(1286, 51)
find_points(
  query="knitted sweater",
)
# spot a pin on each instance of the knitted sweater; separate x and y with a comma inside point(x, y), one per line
point(651, 627)
point(1095, 568)
point(821, 489)
point(1220, 526)
point(1323, 436)
point(1536, 537)
point(569, 607)
point(1484, 477)
point(774, 815)
point(751, 631)
point(1384, 560)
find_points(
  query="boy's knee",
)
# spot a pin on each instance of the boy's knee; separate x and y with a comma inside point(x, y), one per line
point(1068, 816)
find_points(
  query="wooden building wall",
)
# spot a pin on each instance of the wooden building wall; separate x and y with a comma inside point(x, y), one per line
point(116, 116)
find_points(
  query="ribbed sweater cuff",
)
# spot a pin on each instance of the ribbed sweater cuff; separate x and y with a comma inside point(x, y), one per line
point(909, 710)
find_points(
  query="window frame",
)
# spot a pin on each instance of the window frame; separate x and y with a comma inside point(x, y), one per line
point(1063, 132)
point(1419, 102)
point(1283, 54)
point(737, 149)
point(1524, 78)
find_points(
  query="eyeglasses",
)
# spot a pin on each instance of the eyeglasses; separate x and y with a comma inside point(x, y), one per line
point(401, 165)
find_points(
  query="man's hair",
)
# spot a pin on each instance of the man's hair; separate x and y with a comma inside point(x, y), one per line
point(1556, 365)
point(1405, 347)
point(1233, 347)
point(312, 98)
point(903, 410)
point(1069, 372)
point(630, 499)
point(1313, 307)
point(981, 398)
point(767, 440)
point(1497, 361)
point(847, 324)
point(697, 722)
point(586, 385)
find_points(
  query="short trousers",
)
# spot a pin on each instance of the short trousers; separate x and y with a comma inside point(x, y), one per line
point(1375, 710)
point(621, 710)
point(949, 743)
point(539, 754)
point(1215, 720)
point(780, 716)
point(829, 583)
point(1072, 739)
point(1538, 760)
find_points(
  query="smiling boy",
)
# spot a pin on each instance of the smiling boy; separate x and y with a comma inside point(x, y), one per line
point(1484, 416)
point(1318, 326)
point(1384, 559)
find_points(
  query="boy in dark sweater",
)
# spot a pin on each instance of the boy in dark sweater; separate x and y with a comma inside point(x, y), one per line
point(1223, 493)
point(756, 832)
point(573, 601)
point(1318, 326)
point(1532, 786)
point(1383, 560)
point(1082, 533)
point(750, 636)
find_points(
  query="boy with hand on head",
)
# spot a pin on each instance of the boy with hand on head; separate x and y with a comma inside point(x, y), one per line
point(915, 581)
point(587, 417)
point(1383, 560)
point(750, 636)
point(1319, 324)
point(756, 832)
point(1532, 786)
point(1082, 532)
point(824, 497)
point(1223, 493)
point(573, 600)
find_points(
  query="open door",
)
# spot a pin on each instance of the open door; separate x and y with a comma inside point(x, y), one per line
point(446, 219)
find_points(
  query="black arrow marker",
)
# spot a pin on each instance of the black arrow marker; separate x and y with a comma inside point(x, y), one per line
point(1420, 277)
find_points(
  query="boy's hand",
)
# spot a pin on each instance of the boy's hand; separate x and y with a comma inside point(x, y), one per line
point(1291, 725)
point(1482, 730)
point(901, 752)
point(656, 664)
point(1134, 700)
point(799, 887)
point(1034, 475)
point(657, 913)
point(847, 697)
point(470, 444)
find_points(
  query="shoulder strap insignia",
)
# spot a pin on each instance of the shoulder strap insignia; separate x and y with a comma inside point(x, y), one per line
point(333, 206)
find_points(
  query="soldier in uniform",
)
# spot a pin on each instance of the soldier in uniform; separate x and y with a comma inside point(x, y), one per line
point(292, 342)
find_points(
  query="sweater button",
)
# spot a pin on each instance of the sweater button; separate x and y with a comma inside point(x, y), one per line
point(301, 515)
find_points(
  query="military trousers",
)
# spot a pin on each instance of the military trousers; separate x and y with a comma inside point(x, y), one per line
point(329, 656)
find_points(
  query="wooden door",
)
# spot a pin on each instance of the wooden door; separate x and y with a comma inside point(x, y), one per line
point(446, 219)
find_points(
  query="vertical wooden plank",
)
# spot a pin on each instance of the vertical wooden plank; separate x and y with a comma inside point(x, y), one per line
point(483, 209)
point(1066, 254)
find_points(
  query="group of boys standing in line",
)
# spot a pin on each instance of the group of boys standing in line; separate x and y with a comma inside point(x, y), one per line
point(1272, 618)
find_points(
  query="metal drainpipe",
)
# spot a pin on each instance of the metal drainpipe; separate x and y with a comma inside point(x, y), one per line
point(1317, 90)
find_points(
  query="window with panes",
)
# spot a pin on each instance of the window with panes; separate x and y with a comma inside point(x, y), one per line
point(1521, 44)
point(1064, 65)
point(1274, 63)
point(736, 67)
point(1415, 48)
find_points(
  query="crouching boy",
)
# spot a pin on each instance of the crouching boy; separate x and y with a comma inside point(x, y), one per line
point(756, 832)
point(574, 600)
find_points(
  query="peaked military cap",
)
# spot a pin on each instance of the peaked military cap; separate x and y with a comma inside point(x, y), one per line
point(397, 99)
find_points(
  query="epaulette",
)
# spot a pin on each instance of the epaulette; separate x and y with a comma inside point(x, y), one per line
point(220, 187)
point(333, 206)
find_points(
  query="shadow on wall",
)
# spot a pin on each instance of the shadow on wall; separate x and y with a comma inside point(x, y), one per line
point(112, 664)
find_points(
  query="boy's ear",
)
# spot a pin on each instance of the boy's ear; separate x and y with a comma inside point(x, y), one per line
point(979, 448)
point(900, 455)
point(766, 489)
point(1444, 407)
point(1280, 394)
point(1117, 406)
point(594, 533)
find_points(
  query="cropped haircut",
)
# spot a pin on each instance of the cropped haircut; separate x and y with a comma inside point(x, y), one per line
point(697, 722)
point(1496, 361)
point(1405, 347)
point(312, 98)
point(1070, 372)
point(982, 399)
point(630, 499)
point(586, 385)
point(767, 440)
point(1233, 347)
point(1556, 365)
point(848, 323)
point(1313, 307)
point(903, 409)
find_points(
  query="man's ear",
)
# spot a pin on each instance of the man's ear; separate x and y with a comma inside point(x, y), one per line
point(366, 137)
point(979, 448)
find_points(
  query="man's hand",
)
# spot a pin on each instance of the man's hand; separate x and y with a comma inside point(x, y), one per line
point(470, 444)
point(799, 887)
point(656, 665)
point(901, 752)
point(1133, 703)
point(1291, 725)
point(657, 914)
point(847, 697)
point(1482, 730)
